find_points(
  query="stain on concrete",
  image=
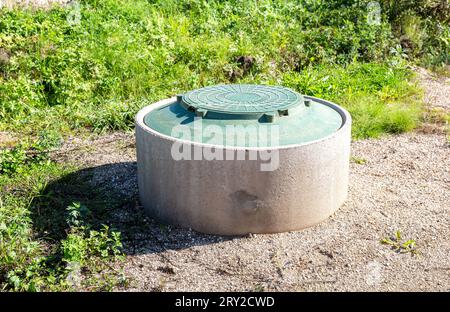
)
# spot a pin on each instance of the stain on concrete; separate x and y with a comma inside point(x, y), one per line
point(246, 202)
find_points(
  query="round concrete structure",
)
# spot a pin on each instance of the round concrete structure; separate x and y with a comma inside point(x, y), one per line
point(234, 197)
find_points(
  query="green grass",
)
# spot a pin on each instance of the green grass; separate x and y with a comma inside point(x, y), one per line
point(48, 241)
point(123, 55)
point(379, 97)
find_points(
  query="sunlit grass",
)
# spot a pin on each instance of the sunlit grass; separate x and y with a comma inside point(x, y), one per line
point(124, 55)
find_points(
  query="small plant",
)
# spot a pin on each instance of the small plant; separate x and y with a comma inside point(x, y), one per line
point(11, 160)
point(88, 246)
point(76, 213)
point(44, 144)
point(259, 288)
point(91, 253)
point(36, 151)
point(81, 253)
point(400, 246)
point(357, 160)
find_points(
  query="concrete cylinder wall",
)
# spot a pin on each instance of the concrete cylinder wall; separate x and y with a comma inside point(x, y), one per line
point(234, 197)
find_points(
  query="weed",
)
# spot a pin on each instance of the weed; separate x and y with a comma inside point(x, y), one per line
point(161, 285)
point(42, 245)
point(36, 151)
point(399, 245)
point(358, 160)
point(259, 288)
point(77, 212)
point(438, 116)
point(91, 251)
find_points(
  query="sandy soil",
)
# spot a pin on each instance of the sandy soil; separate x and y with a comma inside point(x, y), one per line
point(396, 183)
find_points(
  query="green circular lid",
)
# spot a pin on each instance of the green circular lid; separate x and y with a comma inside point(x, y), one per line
point(207, 115)
point(241, 99)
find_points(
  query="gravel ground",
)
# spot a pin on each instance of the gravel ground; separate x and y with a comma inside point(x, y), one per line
point(396, 183)
point(437, 89)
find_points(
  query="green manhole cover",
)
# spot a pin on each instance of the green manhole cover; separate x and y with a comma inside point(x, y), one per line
point(245, 109)
point(241, 99)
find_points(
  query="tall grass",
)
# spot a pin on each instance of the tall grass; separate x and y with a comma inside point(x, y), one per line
point(379, 97)
point(123, 54)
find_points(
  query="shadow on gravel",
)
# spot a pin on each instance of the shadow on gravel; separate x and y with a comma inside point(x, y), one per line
point(108, 194)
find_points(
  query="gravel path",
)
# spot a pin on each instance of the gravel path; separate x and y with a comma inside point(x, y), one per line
point(396, 183)
point(437, 89)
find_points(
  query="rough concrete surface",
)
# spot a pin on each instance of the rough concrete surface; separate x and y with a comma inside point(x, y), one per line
point(396, 183)
point(238, 197)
